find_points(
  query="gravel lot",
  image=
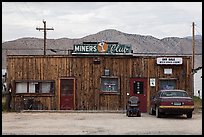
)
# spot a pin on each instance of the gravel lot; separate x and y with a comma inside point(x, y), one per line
point(46, 123)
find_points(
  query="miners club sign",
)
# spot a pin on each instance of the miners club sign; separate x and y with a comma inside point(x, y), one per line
point(102, 48)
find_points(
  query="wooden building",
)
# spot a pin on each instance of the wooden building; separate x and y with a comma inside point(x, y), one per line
point(93, 81)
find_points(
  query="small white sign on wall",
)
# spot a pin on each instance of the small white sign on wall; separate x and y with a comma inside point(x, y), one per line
point(152, 82)
point(167, 71)
point(169, 61)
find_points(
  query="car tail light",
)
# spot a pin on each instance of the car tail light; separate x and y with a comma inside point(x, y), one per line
point(165, 103)
point(188, 102)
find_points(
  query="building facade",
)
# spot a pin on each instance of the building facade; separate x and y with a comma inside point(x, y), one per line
point(92, 80)
point(198, 83)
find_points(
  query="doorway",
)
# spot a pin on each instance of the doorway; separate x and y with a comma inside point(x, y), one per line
point(138, 87)
point(67, 93)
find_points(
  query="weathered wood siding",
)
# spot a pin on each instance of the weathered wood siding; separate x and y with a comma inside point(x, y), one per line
point(87, 75)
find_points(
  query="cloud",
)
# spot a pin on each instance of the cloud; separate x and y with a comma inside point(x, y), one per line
point(78, 19)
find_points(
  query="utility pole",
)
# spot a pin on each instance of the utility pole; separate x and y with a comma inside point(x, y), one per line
point(193, 43)
point(193, 57)
point(44, 34)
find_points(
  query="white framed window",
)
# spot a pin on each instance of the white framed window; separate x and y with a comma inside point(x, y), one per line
point(34, 86)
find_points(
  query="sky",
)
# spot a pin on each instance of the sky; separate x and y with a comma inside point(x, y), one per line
point(80, 19)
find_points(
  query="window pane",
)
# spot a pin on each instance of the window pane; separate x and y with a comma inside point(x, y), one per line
point(67, 86)
point(174, 94)
point(138, 87)
point(21, 87)
point(167, 84)
point(46, 87)
point(32, 86)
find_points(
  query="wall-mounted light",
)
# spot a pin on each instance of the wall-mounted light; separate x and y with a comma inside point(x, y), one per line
point(97, 61)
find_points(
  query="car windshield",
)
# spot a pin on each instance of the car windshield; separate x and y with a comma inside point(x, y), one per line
point(174, 94)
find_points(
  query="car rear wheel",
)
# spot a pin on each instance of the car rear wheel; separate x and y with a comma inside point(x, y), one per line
point(151, 112)
point(128, 113)
point(158, 114)
point(139, 114)
point(189, 115)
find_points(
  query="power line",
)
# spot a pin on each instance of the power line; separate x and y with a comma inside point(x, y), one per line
point(198, 32)
point(196, 26)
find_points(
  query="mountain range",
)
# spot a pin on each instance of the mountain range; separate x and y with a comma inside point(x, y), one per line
point(141, 45)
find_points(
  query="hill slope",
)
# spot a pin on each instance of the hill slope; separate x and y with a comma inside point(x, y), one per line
point(140, 44)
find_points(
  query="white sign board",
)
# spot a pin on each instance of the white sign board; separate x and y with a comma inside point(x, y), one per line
point(152, 82)
point(169, 60)
point(167, 71)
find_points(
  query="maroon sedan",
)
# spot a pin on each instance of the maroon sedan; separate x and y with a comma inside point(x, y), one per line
point(172, 102)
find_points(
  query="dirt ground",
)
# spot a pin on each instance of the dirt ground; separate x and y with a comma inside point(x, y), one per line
point(46, 123)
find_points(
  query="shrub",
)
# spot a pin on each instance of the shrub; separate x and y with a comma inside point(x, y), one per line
point(3, 103)
point(197, 102)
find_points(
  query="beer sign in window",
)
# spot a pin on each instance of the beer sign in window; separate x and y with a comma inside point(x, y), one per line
point(109, 84)
point(138, 87)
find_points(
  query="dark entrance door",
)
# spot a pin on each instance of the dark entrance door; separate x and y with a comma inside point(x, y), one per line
point(138, 87)
point(67, 92)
